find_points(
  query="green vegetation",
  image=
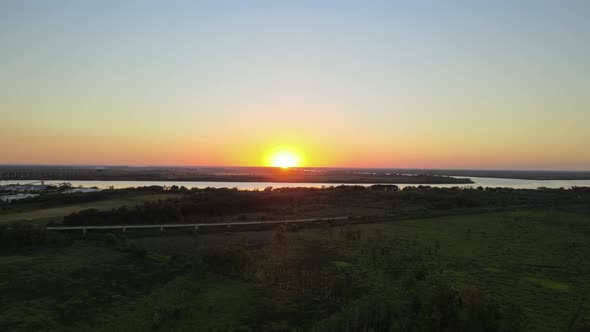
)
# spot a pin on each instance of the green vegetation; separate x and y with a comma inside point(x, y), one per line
point(213, 205)
point(44, 215)
point(524, 268)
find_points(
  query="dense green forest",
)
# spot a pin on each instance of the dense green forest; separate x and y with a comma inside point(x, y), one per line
point(205, 204)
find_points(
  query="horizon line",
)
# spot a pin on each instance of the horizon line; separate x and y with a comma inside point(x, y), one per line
point(301, 167)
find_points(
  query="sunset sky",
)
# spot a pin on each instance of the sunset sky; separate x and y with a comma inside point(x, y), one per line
point(425, 84)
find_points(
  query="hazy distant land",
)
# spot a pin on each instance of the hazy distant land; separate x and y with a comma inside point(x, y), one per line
point(269, 174)
point(508, 174)
point(223, 174)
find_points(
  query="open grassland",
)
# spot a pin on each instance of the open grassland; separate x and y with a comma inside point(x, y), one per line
point(44, 215)
point(537, 260)
point(528, 270)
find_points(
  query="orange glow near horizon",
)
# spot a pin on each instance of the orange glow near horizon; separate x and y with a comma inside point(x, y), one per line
point(313, 148)
point(266, 83)
point(284, 157)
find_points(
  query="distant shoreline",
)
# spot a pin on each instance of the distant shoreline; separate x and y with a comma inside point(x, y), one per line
point(275, 175)
point(319, 179)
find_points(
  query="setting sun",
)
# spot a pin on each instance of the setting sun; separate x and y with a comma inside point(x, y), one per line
point(284, 157)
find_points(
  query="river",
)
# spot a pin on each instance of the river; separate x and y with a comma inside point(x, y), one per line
point(484, 182)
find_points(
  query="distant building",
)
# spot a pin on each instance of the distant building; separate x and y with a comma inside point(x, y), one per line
point(23, 187)
point(10, 198)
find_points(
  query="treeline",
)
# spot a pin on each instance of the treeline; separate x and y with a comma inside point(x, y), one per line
point(210, 202)
point(203, 204)
point(57, 198)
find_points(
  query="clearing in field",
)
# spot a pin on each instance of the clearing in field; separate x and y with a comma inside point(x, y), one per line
point(45, 215)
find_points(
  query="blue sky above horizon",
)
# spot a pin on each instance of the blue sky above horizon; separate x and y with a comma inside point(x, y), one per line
point(428, 84)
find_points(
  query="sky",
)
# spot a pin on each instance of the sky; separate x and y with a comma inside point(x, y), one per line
point(422, 84)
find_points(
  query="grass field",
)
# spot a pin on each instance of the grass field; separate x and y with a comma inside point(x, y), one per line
point(45, 215)
point(534, 259)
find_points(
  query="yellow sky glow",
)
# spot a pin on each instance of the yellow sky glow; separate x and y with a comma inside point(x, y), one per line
point(139, 86)
point(284, 157)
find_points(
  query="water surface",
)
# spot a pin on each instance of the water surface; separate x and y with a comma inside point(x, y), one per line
point(484, 182)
